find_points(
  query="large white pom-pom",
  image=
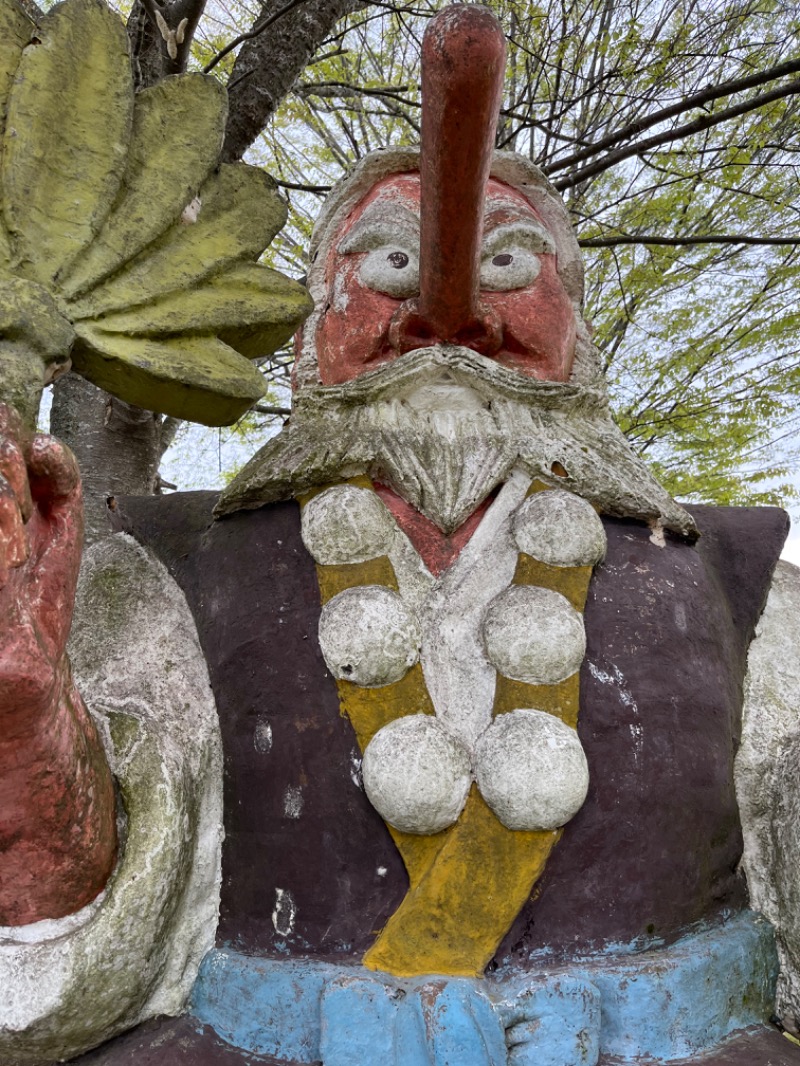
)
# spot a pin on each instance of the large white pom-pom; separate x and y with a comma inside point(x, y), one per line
point(369, 636)
point(531, 770)
point(560, 528)
point(534, 634)
point(416, 775)
point(346, 524)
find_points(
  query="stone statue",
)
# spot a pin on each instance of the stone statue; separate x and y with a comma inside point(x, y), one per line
point(462, 682)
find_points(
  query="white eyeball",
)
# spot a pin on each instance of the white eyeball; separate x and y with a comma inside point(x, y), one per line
point(508, 268)
point(392, 269)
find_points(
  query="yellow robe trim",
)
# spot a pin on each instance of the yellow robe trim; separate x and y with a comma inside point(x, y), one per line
point(468, 883)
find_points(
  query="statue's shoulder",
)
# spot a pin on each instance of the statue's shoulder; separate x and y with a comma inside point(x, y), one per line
point(730, 565)
point(771, 524)
point(183, 532)
point(742, 546)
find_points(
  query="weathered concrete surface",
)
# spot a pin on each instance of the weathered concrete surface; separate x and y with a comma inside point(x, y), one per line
point(560, 529)
point(116, 205)
point(531, 770)
point(534, 635)
point(416, 774)
point(174, 1042)
point(36, 342)
point(67, 985)
point(345, 525)
point(507, 168)
point(369, 636)
point(654, 1006)
point(768, 778)
point(463, 67)
point(658, 731)
point(753, 1047)
point(168, 1041)
point(58, 837)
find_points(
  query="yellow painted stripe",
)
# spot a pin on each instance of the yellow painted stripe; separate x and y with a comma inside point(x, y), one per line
point(468, 883)
point(453, 920)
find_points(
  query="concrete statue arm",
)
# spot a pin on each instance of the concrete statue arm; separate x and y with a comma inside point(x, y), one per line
point(57, 805)
point(95, 935)
point(767, 780)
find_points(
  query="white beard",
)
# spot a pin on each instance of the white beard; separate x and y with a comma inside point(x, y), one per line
point(440, 449)
point(443, 426)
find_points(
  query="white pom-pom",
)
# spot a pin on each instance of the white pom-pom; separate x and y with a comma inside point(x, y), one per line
point(560, 528)
point(531, 770)
point(369, 636)
point(416, 775)
point(534, 634)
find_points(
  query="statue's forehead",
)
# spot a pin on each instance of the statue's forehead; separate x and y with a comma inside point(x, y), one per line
point(503, 203)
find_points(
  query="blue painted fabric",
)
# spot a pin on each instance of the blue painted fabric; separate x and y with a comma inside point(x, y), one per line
point(662, 1005)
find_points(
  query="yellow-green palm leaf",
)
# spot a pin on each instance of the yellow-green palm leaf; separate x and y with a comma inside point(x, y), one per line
point(15, 32)
point(250, 307)
point(175, 144)
point(240, 212)
point(192, 368)
point(68, 125)
point(116, 207)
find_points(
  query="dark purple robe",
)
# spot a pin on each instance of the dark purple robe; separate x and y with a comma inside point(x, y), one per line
point(654, 849)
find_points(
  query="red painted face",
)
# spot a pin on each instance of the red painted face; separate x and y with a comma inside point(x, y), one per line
point(373, 268)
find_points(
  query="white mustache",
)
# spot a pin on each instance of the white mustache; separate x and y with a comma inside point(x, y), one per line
point(399, 378)
point(560, 432)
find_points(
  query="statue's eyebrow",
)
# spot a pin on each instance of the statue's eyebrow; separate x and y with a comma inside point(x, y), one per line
point(523, 232)
point(382, 223)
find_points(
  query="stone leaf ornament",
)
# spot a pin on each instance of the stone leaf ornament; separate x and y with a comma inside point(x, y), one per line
point(125, 247)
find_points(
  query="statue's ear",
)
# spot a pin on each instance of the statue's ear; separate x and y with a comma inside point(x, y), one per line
point(116, 207)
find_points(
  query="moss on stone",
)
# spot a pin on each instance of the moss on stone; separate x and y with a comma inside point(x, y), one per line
point(117, 206)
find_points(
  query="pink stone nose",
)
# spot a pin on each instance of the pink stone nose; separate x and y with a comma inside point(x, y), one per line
point(463, 63)
point(410, 328)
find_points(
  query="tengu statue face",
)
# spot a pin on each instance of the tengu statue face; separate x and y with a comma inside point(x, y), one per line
point(524, 317)
point(447, 343)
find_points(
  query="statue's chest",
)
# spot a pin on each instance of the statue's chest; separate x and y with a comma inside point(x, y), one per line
point(309, 865)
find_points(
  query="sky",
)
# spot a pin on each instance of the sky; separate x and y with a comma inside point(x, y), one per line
point(791, 549)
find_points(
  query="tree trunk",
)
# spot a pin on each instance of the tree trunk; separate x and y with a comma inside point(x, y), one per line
point(118, 446)
point(268, 65)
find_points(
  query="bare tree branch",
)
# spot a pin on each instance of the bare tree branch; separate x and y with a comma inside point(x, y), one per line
point(161, 37)
point(677, 242)
point(276, 59)
point(342, 90)
point(320, 190)
point(687, 130)
point(262, 409)
point(705, 96)
point(253, 33)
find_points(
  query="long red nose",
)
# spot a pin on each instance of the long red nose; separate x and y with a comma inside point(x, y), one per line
point(463, 64)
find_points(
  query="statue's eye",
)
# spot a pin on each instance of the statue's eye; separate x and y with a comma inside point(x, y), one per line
point(392, 270)
point(504, 271)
